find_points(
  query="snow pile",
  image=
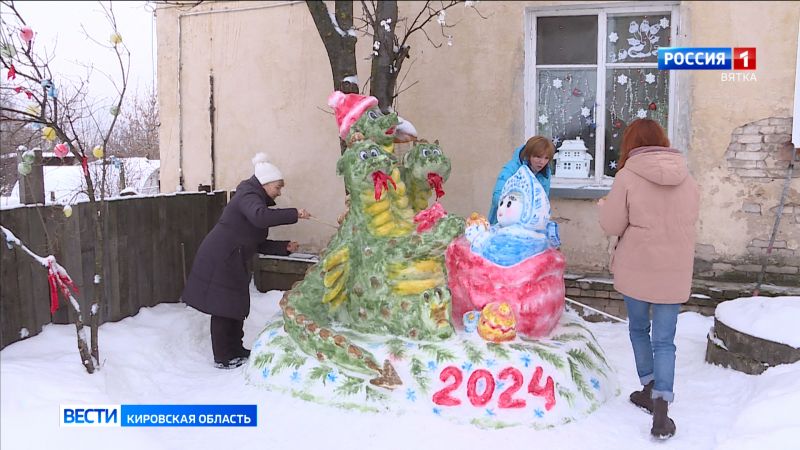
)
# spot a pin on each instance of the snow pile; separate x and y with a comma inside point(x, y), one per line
point(772, 318)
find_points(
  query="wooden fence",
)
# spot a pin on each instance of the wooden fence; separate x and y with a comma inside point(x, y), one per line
point(150, 245)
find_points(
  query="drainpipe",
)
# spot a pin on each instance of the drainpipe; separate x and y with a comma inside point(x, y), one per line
point(181, 185)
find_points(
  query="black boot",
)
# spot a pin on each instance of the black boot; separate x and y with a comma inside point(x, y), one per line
point(663, 426)
point(230, 364)
point(642, 398)
point(245, 353)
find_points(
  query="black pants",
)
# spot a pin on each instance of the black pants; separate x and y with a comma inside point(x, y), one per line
point(226, 338)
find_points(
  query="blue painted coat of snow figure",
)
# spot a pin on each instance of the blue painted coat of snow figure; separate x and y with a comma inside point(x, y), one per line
point(511, 167)
point(523, 215)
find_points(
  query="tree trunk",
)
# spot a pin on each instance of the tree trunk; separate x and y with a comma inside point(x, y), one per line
point(384, 66)
point(339, 43)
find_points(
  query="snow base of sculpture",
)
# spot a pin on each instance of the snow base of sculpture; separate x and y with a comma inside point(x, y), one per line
point(536, 383)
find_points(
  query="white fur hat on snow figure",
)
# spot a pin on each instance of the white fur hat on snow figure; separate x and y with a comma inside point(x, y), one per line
point(264, 170)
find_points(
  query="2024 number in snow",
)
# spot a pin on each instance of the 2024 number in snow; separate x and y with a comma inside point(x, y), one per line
point(506, 399)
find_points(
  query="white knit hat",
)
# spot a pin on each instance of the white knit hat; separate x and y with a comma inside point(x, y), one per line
point(264, 171)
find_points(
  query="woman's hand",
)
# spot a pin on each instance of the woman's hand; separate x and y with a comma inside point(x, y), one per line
point(303, 214)
point(292, 246)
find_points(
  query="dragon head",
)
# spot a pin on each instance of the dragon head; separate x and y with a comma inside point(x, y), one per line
point(363, 164)
point(426, 163)
point(435, 313)
point(378, 127)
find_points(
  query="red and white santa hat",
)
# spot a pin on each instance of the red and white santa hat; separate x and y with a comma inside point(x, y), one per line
point(349, 108)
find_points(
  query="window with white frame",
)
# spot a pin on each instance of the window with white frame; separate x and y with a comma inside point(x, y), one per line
point(591, 72)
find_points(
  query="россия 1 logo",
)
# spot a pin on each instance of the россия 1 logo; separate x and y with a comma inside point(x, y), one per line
point(740, 59)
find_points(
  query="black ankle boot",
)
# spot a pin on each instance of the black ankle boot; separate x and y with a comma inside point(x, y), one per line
point(231, 363)
point(663, 426)
point(642, 398)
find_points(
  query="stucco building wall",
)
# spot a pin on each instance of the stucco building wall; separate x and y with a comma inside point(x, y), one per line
point(272, 78)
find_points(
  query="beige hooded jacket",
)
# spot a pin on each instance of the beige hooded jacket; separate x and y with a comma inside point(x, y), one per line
point(653, 208)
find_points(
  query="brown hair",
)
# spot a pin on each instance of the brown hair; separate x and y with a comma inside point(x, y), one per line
point(641, 133)
point(537, 146)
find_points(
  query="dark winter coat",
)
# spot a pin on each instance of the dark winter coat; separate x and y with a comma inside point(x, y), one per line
point(219, 283)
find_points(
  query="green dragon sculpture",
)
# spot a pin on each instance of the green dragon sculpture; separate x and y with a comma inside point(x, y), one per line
point(426, 168)
point(378, 274)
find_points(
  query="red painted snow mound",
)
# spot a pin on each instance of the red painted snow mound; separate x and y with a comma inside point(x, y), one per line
point(534, 288)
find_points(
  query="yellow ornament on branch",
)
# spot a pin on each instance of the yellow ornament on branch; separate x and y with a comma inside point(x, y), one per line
point(49, 133)
point(115, 38)
point(97, 151)
point(67, 210)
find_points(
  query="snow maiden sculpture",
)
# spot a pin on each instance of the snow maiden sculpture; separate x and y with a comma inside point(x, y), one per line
point(373, 327)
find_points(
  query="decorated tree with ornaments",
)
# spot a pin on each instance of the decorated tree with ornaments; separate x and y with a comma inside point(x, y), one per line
point(67, 123)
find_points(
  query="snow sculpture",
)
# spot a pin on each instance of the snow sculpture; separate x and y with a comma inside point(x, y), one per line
point(514, 261)
point(373, 327)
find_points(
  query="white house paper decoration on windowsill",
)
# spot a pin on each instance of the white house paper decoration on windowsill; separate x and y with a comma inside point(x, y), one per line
point(572, 159)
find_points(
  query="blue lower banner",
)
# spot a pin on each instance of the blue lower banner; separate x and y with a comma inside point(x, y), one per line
point(158, 415)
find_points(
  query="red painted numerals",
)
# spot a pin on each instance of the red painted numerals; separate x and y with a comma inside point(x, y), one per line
point(443, 396)
point(506, 399)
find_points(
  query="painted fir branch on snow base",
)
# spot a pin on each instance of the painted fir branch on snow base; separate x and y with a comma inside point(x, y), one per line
point(583, 380)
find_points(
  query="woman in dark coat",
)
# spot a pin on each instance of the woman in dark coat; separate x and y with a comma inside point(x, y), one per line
point(219, 283)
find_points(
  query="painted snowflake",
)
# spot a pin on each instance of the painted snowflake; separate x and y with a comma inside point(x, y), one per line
point(613, 37)
point(641, 113)
point(542, 119)
point(650, 78)
point(664, 22)
point(584, 111)
point(557, 83)
point(612, 164)
point(622, 79)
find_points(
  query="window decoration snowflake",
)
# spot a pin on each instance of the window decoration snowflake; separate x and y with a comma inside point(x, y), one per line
point(557, 83)
point(584, 111)
point(613, 37)
point(641, 113)
point(542, 119)
point(622, 79)
point(650, 78)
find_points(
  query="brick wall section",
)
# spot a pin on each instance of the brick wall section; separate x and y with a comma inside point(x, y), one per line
point(759, 152)
point(761, 149)
point(598, 292)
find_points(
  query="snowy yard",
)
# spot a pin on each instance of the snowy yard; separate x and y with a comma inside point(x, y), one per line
point(163, 356)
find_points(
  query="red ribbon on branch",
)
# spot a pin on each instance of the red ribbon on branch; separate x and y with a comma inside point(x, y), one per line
point(58, 280)
point(85, 165)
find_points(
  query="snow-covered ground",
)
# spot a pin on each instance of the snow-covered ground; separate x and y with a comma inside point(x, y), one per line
point(163, 356)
